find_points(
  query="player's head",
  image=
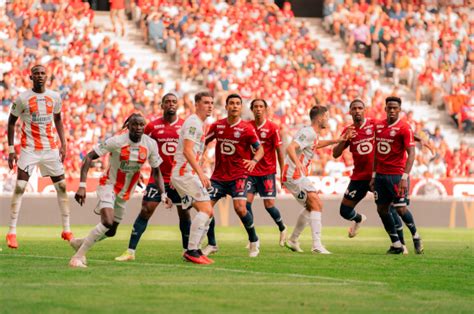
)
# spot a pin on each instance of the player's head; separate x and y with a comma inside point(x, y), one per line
point(259, 107)
point(357, 110)
point(233, 105)
point(319, 116)
point(204, 104)
point(135, 124)
point(38, 75)
point(169, 104)
point(393, 106)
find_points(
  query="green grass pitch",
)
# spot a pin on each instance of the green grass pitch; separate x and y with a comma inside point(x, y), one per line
point(357, 277)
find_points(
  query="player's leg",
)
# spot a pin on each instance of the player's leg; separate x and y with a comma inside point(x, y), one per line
point(216, 192)
point(276, 216)
point(303, 217)
point(184, 224)
point(315, 206)
point(266, 187)
point(398, 227)
point(356, 191)
point(199, 226)
point(251, 190)
point(20, 187)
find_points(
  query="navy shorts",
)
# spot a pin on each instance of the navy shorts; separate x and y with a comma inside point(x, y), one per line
point(152, 194)
point(236, 189)
point(357, 190)
point(386, 190)
point(264, 185)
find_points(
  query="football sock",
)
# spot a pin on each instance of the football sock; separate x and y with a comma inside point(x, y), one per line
point(198, 227)
point(247, 221)
point(410, 222)
point(139, 228)
point(275, 213)
point(398, 224)
point(389, 226)
point(211, 235)
point(301, 223)
point(16, 204)
point(349, 213)
point(63, 202)
point(184, 226)
point(206, 229)
point(93, 236)
point(248, 205)
point(315, 224)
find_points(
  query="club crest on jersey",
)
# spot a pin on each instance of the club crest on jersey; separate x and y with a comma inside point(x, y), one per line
point(237, 134)
point(263, 134)
point(393, 133)
point(368, 131)
point(142, 155)
point(192, 130)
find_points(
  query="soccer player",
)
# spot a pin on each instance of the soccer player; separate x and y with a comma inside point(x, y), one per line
point(38, 109)
point(129, 150)
point(165, 132)
point(300, 153)
point(262, 178)
point(394, 157)
point(234, 140)
point(189, 179)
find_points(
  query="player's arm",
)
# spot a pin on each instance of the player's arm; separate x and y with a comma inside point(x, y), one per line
point(345, 137)
point(281, 158)
point(250, 164)
point(58, 123)
point(339, 149)
point(374, 165)
point(424, 143)
point(188, 153)
point(291, 152)
point(80, 196)
point(403, 186)
point(12, 157)
point(158, 177)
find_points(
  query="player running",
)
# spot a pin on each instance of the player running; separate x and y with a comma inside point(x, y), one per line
point(38, 109)
point(234, 140)
point(394, 157)
point(189, 179)
point(165, 132)
point(262, 178)
point(298, 159)
point(129, 150)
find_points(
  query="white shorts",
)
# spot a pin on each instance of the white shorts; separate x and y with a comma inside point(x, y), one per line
point(190, 189)
point(48, 161)
point(108, 199)
point(299, 188)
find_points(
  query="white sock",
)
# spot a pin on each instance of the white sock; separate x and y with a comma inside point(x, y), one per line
point(315, 223)
point(397, 244)
point(16, 204)
point(198, 227)
point(301, 223)
point(63, 202)
point(416, 236)
point(131, 251)
point(91, 238)
point(206, 229)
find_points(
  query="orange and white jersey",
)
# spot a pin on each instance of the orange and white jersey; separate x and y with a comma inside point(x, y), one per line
point(126, 160)
point(307, 140)
point(192, 129)
point(36, 113)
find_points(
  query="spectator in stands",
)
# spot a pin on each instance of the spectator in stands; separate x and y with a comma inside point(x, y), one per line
point(157, 32)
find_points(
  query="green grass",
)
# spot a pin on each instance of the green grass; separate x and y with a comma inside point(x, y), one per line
point(358, 277)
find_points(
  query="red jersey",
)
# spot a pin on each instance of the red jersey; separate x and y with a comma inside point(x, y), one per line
point(269, 136)
point(166, 136)
point(362, 149)
point(233, 146)
point(392, 141)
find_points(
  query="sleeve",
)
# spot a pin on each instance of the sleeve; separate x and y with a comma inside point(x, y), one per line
point(107, 146)
point(277, 138)
point(148, 129)
point(408, 137)
point(154, 158)
point(191, 131)
point(58, 104)
point(303, 139)
point(211, 134)
point(17, 107)
point(253, 138)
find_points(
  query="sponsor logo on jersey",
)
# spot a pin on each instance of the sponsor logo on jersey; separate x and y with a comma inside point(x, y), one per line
point(220, 126)
point(159, 126)
point(41, 118)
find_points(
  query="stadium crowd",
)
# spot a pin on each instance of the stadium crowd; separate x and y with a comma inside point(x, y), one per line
point(256, 49)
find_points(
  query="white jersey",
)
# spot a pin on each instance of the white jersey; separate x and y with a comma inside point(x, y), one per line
point(307, 140)
point(36, 112)
point(192, 129)
point(126, 160)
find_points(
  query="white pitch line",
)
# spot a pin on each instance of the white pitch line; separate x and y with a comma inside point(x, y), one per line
point(213, 268)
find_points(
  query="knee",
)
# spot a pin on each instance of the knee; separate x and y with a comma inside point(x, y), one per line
point(146, 212)
point(60, 187)
point(184, 214)
point(241, 210)
point(345, 211)
point(20, 187)
point(269, 203)
point(112, 230)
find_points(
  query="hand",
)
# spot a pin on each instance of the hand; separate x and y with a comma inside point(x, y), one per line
point(372, 184)
point(349, 134)
point(249, 164)
point(205, 181)
point(12, 160)
point(402, 188)
point(62, 153)
point(301, 168)
point(428, 145)
point(80, 196)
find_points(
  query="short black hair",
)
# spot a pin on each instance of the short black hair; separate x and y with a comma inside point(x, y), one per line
point(393, 98)
point(130, 118)
point(258, 99)
point(37, 66)
point(232, 96)
point(166, 95)
point(200, 95)
point(317, 111)
point(355, 101)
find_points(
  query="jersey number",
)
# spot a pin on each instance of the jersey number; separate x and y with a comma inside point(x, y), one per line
point(365, 148)
point(227, 148)
point(169, 148)
point(383, 148)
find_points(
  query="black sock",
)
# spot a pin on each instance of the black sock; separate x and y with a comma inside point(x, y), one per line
point(249, 208)
point(138, 228)
point(349, 213)
point(389, 226)
point(211, 235)
point(398, 224)
point(184, 226)
point(275, 213)
point(409, 221)
point(247, 221)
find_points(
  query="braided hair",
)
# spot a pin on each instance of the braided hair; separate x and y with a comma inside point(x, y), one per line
point(132, 116)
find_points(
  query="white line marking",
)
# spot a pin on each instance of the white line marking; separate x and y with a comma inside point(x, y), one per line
point(171, 283)
point(213, 268)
